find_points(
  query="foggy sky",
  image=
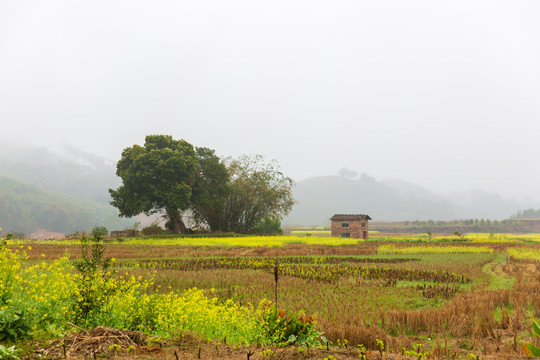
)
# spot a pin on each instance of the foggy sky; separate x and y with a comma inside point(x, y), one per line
point(445, 94)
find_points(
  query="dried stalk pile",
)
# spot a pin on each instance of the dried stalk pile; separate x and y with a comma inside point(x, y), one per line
point(96, 341)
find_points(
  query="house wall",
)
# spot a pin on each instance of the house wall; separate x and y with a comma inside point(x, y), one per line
point(355, 228)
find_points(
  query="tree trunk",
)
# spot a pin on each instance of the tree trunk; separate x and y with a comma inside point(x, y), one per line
point(178, 225)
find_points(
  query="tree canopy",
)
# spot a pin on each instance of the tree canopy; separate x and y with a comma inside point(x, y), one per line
point(210, 190)
point(172, 177)
point(156, 178)
point(258, 190)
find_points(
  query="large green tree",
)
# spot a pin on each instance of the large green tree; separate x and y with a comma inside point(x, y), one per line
point(172, 177)
point(157, 177)
point(210, 190)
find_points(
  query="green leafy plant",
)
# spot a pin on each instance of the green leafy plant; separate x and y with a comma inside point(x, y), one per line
point(529, 348)
point(294, 328)
point(269, 226)
point(416, 352)
point(329, 357)
point(344, 343)
point(8, 353)
point(380, 346)
point(92, 251)
point(100, 231)
point(13, 325)
point(96, 285)
point(363, 349)
point(268, 353)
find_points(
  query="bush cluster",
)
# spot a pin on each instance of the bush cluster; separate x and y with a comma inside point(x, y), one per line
point(283, 329)
point(42, 300)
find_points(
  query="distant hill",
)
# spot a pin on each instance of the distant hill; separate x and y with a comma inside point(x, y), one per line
point(318, 198)
point(71, 172)
point(25, 208)
point(62, 191)
point(73, 183)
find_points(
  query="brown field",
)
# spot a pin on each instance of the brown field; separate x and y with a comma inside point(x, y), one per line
point(486, 315)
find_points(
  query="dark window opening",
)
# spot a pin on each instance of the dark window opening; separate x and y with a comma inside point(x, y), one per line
point(346, 235)
point(344, 225)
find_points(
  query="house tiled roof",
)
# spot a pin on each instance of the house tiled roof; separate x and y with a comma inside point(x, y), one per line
point(349, 217)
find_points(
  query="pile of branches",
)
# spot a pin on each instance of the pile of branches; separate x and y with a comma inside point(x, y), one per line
point(87, 343)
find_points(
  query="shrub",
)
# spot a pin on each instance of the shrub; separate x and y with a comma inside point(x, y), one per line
point(294, 328)
point(95, 284)
point(269, 226)
point(153, 230)
point(99, 231)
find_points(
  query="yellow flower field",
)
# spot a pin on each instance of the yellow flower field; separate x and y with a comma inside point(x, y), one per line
point(524, 253)
point(440, 249)
point(247, 241)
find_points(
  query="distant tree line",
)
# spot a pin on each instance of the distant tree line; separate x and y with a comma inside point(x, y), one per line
point(460, 226)
point(526, 214)
point(194, 188)
point(461, 222)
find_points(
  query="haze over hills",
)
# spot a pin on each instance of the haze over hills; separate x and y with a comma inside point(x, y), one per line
point(444, 96)
point(27, 208)
point(67, 190)
point(391, 200)
point(68, 171)
point(60, 192)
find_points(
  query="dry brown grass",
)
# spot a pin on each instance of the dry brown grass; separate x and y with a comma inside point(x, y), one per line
point(488, 322)
point(120, 251)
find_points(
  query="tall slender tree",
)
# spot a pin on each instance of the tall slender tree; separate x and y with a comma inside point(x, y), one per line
point(258, 190)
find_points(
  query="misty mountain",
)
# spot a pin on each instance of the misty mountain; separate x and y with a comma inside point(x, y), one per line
point(319, 198)
point(472, 203)
point(70, 171)
point(25, 208)
point(481, 204)
point(78, 182)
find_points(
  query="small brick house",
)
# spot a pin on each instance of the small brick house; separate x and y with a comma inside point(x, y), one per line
point(350, 225)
